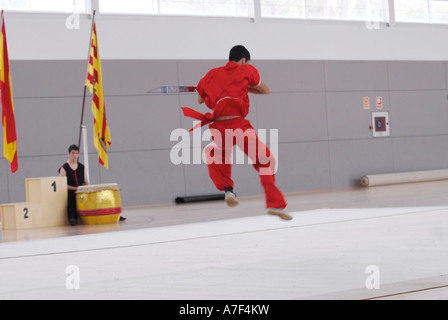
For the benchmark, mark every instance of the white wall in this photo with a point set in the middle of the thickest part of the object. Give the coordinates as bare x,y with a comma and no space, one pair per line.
46,37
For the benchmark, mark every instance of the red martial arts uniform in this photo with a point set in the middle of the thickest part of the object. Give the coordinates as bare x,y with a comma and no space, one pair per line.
225,91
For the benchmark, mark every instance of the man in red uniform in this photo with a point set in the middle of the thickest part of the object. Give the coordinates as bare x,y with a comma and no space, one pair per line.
225,91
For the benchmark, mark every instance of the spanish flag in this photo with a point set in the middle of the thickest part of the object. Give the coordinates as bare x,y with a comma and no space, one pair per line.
95,83
8,119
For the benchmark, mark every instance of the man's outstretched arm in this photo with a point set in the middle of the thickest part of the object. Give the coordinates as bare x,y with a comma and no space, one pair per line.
261,89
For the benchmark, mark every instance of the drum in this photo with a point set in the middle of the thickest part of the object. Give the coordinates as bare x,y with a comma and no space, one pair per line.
99,204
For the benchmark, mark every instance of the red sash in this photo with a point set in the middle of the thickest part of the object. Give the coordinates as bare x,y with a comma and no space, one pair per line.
204,118
225,107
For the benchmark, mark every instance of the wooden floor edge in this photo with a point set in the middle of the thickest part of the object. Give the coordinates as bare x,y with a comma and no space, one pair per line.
247,197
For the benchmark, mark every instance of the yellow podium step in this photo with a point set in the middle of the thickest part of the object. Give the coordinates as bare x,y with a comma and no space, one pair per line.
46,205
51,193
18,216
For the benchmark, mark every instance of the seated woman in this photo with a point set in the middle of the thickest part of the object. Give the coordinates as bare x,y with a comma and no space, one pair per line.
76,176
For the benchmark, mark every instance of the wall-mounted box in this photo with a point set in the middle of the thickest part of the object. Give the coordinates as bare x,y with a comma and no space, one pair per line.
380,124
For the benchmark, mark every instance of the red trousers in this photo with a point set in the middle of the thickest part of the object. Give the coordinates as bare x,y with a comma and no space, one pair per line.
240,132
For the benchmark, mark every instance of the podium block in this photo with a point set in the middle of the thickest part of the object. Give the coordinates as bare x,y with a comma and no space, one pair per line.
46,205
51,194
20,216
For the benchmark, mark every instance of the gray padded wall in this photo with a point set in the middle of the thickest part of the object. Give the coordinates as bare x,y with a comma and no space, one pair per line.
324,136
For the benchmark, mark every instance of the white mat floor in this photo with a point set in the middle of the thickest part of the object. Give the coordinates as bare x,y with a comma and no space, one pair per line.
321,254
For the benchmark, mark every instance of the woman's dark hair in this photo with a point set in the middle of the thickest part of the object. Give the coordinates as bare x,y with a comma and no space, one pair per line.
239,52
73,147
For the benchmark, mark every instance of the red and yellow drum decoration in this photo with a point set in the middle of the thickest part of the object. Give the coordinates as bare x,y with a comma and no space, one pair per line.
99,204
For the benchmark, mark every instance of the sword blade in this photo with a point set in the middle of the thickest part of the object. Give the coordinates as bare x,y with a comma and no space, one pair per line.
173,89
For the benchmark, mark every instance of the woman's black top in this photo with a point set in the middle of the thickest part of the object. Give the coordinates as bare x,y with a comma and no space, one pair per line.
75,178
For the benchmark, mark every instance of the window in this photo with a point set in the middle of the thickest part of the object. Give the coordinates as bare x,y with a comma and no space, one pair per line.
438,11
421,11
411,11
357,10
225,8
81,6
283,9
406,11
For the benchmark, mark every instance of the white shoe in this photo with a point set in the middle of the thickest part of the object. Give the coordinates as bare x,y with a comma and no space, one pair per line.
279,213
231,199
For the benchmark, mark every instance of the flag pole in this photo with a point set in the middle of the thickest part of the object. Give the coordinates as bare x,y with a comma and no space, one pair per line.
86,154
85,87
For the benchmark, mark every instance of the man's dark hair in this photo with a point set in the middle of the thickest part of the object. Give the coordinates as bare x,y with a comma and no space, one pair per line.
239,52
73,147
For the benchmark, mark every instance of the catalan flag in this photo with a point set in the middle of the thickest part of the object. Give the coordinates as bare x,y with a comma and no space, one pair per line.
95,83
8,118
